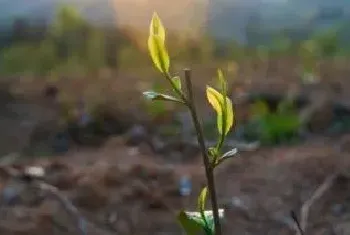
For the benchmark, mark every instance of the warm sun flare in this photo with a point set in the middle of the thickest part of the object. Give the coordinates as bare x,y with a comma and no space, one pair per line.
184,15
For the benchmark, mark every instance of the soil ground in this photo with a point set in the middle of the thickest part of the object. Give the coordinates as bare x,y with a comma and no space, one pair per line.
131,190
138,190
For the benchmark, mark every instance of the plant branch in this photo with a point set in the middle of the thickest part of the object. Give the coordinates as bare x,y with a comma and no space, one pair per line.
200,137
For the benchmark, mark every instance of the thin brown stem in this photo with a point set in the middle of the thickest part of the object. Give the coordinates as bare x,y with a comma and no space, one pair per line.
209,170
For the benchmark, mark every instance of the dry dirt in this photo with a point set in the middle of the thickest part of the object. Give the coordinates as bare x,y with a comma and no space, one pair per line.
120,189
123,190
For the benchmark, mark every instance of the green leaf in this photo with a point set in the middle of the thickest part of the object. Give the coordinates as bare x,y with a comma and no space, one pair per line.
226,156
177,82
208,223
213,155
201,202
202,199
156,27
159,54
156,45
224,107
212,152
191,225
219,104
222,82
151,95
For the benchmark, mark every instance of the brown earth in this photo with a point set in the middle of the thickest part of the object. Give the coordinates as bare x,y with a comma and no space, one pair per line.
121,191
131,190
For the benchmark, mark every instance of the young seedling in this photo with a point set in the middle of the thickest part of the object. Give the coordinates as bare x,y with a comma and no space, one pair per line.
207,221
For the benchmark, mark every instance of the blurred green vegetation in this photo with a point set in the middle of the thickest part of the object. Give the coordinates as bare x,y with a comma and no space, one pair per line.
274,127
71,47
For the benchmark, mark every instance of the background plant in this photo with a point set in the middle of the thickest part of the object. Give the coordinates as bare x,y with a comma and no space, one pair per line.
274,127
207,221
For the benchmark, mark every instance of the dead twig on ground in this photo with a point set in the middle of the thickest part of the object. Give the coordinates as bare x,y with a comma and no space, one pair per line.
67,205
305,209
297,223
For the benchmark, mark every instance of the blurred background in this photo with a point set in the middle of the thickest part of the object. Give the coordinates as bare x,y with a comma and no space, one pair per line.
72,75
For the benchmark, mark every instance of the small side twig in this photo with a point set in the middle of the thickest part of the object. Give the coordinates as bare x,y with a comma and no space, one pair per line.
319,192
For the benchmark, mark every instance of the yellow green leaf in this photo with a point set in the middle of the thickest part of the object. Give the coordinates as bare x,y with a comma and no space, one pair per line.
202,199
221,78
201,203
177,82
159,54
156,44
156,27
217,101
214,98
